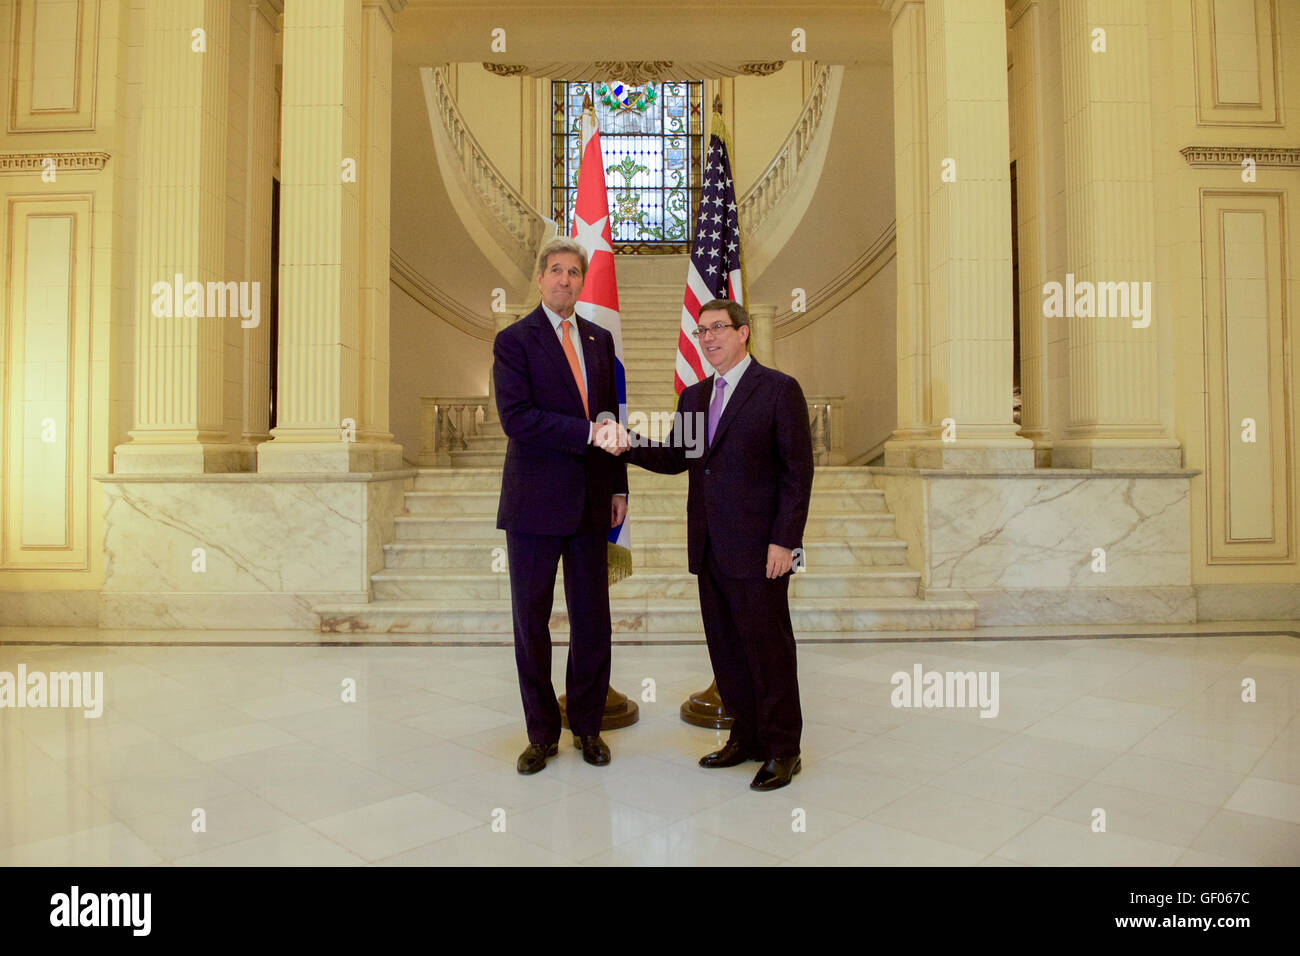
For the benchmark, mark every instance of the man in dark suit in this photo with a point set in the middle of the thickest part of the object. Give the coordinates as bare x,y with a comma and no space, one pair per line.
554,372
746,511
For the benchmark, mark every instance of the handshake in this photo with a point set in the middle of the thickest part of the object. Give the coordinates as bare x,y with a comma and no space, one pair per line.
611,436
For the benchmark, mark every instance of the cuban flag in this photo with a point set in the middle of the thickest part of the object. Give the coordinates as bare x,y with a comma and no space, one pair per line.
599,300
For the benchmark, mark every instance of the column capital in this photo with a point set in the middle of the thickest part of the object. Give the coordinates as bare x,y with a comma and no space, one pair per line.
895,7
389,8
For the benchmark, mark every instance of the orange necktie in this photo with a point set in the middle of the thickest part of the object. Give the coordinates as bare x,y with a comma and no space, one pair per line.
572,356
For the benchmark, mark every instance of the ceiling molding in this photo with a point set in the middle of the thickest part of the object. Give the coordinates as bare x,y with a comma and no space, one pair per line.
634,71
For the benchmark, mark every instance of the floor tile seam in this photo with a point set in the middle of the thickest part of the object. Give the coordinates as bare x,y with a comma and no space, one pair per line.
887,638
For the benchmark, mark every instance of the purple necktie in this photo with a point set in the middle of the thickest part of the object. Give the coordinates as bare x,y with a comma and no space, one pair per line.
715,408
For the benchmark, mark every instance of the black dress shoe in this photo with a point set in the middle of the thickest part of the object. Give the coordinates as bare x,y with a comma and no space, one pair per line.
731,755
594,750
534,758
776,773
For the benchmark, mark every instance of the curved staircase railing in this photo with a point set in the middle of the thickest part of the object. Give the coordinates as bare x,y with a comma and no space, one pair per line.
508,218
766,192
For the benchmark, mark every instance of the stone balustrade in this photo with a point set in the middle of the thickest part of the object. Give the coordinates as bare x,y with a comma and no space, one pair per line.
447,425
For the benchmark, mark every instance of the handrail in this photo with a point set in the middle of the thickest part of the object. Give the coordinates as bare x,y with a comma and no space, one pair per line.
444,429
515,225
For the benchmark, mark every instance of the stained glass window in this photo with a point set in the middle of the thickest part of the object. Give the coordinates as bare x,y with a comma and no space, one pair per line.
651,138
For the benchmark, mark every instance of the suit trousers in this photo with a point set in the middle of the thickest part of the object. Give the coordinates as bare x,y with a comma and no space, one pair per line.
751,645
533,560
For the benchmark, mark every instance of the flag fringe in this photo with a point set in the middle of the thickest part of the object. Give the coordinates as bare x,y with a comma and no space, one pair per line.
620,562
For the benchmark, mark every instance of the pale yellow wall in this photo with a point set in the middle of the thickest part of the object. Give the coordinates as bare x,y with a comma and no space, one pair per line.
765,107
493,107
1242,356
850,352
429,357
52,516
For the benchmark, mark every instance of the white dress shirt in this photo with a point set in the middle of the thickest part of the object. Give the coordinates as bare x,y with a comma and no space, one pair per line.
576,339
732,378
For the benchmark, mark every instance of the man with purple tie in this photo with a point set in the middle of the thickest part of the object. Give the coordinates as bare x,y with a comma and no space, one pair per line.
746,511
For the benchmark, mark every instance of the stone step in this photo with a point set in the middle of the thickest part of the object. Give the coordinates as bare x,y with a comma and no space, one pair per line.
650,332
637,354
478,460
489,479
649,528
649,358
451,586
480,554
656,352
480,443
647,502
489,622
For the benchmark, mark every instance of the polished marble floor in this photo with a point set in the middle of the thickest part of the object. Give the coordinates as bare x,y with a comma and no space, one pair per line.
1140,729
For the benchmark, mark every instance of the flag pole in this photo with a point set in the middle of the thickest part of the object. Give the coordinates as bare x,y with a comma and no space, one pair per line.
704,707
724,134
620,710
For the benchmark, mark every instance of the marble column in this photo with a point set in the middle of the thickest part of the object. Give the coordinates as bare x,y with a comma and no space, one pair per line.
327,120
962,166
179,350
503,321
762,333
911,213
1036,144
375,182
1115,418
259,170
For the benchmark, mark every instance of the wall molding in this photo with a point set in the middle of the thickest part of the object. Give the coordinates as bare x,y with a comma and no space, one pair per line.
1231,156
634,71
858,273
64,161
499,220
411,281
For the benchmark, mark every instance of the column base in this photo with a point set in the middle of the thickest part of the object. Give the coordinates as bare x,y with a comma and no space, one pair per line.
298,457
1134,454
963,454
182,458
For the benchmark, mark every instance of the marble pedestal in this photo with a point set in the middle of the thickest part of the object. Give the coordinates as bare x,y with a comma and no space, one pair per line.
271,546
1023,544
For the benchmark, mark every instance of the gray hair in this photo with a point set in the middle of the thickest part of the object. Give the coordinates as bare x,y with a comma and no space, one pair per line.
561,244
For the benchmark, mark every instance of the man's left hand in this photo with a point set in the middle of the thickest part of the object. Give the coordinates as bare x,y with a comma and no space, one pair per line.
779,560
618,506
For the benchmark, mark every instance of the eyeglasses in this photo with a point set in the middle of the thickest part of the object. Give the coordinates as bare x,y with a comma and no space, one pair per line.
716,328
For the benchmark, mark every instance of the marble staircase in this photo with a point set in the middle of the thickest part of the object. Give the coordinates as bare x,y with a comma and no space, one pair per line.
446,572
651,315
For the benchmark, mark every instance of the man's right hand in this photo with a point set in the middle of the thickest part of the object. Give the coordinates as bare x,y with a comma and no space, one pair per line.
611,436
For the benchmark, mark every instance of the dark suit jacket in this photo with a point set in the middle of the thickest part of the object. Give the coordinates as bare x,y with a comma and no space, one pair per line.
752,485
552,477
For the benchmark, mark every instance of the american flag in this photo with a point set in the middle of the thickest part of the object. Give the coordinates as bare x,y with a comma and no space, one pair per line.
714,272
